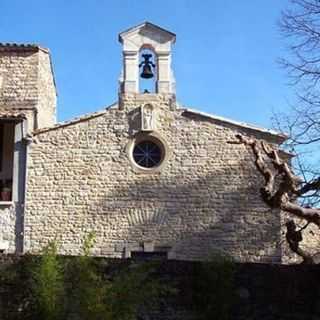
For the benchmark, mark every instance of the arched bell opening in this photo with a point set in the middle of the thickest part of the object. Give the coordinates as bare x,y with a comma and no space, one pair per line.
147,70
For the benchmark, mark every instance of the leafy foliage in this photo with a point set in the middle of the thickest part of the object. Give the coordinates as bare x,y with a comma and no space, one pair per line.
14,274
135,287
48,284
119,297
213,288
56,287
89,289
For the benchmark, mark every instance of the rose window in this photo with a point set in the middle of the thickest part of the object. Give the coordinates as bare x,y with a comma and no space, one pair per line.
147,154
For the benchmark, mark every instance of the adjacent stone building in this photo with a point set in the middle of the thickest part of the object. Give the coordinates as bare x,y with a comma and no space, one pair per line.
146,174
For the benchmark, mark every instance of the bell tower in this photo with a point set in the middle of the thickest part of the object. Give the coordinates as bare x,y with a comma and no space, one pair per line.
146,51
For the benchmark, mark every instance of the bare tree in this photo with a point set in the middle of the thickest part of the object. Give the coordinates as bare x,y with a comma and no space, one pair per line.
301,26
297,194
281,190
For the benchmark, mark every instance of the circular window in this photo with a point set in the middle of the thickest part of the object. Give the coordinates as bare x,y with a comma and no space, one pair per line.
147,154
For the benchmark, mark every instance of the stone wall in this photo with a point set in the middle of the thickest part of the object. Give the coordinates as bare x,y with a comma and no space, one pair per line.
204,198
8,220
47,97
265,292
310,242
19,76
26,86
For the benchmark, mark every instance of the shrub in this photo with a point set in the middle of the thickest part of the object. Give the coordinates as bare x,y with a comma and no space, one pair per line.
213,288
137,287
89,289
48,284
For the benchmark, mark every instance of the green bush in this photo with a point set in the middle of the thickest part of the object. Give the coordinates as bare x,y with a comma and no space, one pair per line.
89,289
136,287
82,287
116,298
213,288
48,284
16,302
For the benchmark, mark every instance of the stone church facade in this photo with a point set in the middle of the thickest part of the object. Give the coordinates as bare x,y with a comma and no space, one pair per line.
146,174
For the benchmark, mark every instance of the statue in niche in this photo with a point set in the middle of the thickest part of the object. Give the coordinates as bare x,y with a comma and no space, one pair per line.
147,118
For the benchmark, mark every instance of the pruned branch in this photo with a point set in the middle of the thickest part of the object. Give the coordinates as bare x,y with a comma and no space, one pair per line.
313,185
281,188
283,194
294,237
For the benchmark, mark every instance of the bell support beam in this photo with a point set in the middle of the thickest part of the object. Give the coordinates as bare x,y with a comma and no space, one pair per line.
131,72
164,72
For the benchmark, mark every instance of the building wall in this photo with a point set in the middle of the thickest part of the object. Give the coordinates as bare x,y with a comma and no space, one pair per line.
8,234
27,84
309,244
205,198
19,76
47,97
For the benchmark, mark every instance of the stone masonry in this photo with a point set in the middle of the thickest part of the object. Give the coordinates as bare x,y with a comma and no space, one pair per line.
77,177
205,198
27,84
27,101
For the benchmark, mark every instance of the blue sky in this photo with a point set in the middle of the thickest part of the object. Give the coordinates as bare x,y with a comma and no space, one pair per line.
224,58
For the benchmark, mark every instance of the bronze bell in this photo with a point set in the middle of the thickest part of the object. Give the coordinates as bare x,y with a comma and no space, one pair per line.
147,67
146,72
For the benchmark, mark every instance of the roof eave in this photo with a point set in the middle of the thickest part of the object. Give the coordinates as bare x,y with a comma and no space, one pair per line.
76,120
280,137
9,116
23,47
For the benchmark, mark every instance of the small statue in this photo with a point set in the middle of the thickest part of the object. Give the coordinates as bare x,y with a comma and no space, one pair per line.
147,121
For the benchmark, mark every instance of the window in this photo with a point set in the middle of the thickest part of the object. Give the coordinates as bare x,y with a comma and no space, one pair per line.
147,154
6,160
155,255
1,145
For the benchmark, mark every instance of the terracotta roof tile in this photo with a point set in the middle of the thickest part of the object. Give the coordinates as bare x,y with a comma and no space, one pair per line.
21,47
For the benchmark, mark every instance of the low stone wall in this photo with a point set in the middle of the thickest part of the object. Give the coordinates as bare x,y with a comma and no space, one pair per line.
277,292
262,291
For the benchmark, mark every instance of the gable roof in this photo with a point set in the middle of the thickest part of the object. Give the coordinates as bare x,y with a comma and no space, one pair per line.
280,137
82,118
146,24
